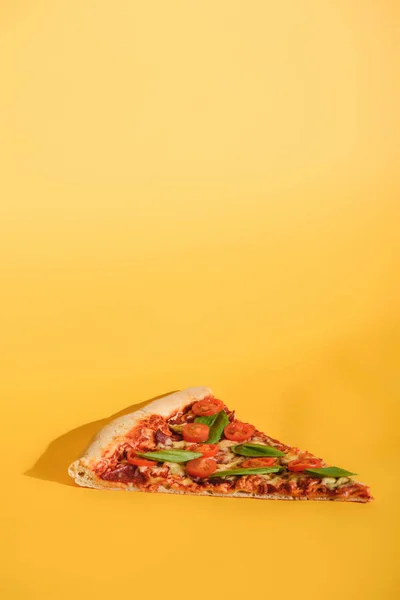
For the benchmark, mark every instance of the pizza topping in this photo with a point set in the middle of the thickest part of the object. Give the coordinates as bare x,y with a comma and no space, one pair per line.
143,437
333,483
141,462
238,431
246,471
256,450
226,444
216,423
163,438
356,490
218,427
210,420
285,460
176,456
177,428
133,459
207,407
301,464
201,467
175,468
327,471
195,432
179,445
206,450
124,474
258,462
339,482
229,462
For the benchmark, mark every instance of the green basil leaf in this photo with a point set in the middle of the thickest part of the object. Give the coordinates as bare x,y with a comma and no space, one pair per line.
329,472
218,427
207,420
255,450
178,456
256,471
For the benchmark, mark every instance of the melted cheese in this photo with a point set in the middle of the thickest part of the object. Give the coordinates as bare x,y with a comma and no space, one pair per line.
179,445
175,468
226,443
333,483
273,480
342,481
286,459
230,465
187,481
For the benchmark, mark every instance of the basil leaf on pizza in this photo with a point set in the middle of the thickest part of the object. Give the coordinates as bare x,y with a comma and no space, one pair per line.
256,471
217,428
207,420
178,456
256,450
216,423
330,472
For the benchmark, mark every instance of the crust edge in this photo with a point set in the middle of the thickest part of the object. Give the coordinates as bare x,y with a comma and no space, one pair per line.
164,406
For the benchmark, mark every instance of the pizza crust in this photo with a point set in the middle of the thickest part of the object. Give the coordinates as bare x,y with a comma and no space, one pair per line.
112,486
258,496
80,469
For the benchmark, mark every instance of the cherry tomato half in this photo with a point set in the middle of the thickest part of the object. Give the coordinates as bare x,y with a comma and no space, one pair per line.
238,431
138,461
195,432
206,450
300,464
201,467
207,407
254,463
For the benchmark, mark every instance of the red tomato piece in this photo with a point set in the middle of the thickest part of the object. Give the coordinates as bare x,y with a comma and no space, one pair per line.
195,432
207,407
206,450
253,463
238,431
201,467
300,464
139,461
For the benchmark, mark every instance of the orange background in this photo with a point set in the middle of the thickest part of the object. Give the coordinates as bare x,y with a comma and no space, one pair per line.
199,193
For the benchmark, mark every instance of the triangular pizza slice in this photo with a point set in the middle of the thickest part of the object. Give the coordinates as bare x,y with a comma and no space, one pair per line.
190,443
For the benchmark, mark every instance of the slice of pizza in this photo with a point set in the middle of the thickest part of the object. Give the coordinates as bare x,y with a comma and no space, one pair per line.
190,443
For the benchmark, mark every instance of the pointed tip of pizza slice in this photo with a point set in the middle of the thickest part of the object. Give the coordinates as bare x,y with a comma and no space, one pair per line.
189,442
